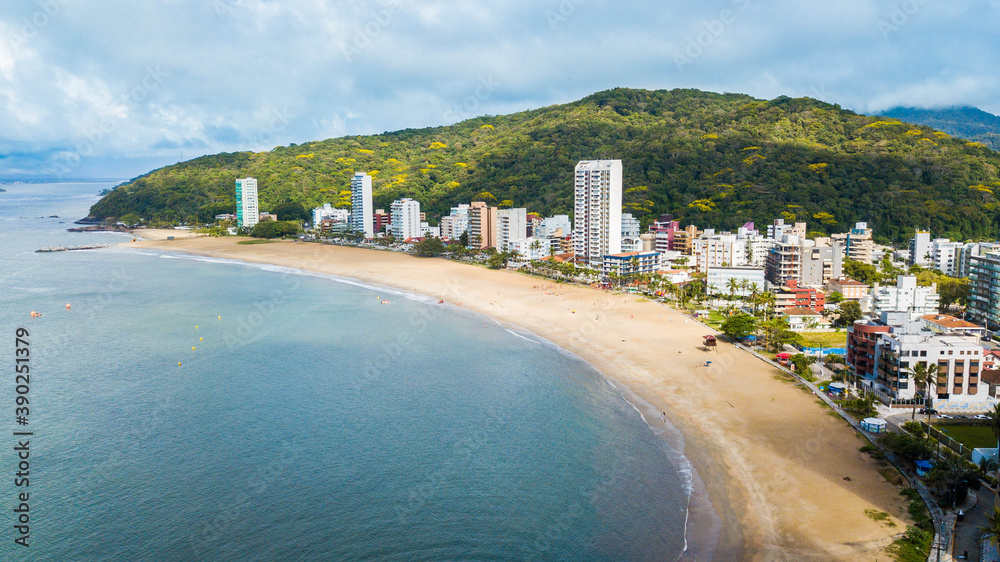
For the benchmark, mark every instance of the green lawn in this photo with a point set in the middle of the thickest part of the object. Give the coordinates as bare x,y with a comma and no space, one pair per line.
824,339
971,436
252,242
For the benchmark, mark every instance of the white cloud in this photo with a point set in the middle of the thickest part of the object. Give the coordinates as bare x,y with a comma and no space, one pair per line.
239,74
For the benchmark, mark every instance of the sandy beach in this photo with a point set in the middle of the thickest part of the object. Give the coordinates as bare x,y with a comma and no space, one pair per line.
782,473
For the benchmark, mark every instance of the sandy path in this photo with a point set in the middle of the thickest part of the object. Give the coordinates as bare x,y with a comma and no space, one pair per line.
782,473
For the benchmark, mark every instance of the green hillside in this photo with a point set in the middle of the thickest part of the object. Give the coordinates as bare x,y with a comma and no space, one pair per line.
715,160
967,122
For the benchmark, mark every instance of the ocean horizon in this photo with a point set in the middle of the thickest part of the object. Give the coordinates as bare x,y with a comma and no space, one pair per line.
197,408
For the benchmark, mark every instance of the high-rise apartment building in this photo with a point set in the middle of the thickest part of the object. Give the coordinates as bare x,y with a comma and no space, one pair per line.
482,225
597,208
512,226
247,211
361,204
405,222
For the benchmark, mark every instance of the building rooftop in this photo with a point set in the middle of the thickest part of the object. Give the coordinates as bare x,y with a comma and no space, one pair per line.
801,312
950,322
848,282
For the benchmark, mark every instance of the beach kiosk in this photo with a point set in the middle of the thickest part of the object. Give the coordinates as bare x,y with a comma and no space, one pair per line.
837,389
710,343
923,467
783,358
873,425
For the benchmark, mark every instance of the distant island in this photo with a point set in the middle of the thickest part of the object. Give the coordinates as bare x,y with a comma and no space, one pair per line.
705,158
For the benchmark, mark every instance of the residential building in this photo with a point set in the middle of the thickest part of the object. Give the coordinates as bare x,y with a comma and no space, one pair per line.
778,229
718,250
327,212
804,319
512,225
683,240
984,290
597,210
533,247
361,205
906,297
381,220
822,260
631,263
262,217
482,225
971,250
957,358
862,345
534,220
945,256
920,248
784,261
456,223
630,234
850,289
557,226
247,210
743,279
946,324
794,295
858,243
405,219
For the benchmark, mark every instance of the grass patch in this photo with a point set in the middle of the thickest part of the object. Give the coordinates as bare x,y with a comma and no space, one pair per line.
252,242
824,339
892,476
914,546
917,510
879,517
972,436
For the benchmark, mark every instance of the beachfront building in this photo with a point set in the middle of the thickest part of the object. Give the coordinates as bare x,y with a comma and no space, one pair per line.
597,210
456,222
361,204
862,344
804,319
482,225
739,281
906,297
512,225
380,220
631,263
533,247
247,210
974,250
631,241
327,212
957,358
405,219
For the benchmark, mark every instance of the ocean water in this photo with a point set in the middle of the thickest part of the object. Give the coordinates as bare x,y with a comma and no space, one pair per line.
193,409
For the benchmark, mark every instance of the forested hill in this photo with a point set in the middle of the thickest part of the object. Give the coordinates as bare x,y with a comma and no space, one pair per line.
967,122
715,160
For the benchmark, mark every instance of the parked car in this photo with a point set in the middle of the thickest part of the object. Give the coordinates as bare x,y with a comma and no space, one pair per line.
931,411
982,417
945,417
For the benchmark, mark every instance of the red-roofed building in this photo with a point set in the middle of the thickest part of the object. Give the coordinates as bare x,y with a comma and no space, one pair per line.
793,296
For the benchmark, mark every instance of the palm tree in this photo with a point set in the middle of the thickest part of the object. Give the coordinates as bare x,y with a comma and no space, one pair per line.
732,285
923,376
767,299
993,525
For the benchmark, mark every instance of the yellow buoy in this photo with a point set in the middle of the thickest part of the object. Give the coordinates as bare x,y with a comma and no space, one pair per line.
178,363
220,318
192,348
201,339
196,327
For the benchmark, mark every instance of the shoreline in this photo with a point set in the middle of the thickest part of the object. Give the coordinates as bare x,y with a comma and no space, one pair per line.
770,474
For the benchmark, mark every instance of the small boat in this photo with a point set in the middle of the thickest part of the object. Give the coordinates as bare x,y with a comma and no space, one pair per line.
440,301
385,302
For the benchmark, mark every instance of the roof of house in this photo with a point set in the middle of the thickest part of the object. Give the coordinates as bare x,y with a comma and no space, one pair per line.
947,321
848,282
990,376
800,311
560,258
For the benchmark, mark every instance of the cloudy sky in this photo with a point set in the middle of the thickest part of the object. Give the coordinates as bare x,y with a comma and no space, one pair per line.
113,88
